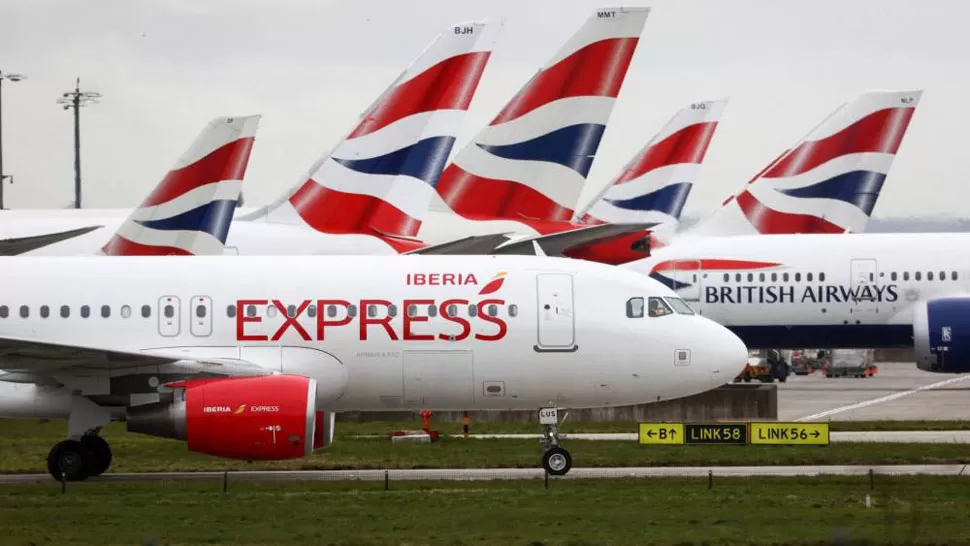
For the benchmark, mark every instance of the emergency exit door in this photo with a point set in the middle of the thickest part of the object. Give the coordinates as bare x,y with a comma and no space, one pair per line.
556,319
201,321
863,275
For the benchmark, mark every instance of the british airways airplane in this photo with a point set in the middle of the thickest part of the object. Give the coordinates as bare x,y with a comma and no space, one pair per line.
844,291
249,357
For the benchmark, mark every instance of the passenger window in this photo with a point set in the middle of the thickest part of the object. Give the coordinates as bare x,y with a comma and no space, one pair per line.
146,310
392,310
942,275
821,277
432,311
170,311
65,311
513,310
472,310
892,276
250,311
750,277
634,308
798,277
125,311
85,311
953,276
680,306
271,311
808,277
231,311
291,310
4,311
658,307
905,275
737,277
452,310
24,311
372,311
774,277
45,311
761,277
331,311
105,311
492,310
311,311
352,310
918,275
412,310
784,277
929,275
727,277
199,311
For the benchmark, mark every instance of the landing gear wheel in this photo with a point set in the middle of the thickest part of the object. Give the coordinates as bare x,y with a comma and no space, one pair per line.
557,461
99,454
68,459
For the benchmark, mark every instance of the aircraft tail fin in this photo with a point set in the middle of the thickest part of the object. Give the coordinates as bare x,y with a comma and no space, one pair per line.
830,181
533,158
190,211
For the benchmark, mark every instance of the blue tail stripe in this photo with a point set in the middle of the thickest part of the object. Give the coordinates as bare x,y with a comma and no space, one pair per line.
668,200
573,147
423,160
859,188
213,218
669,282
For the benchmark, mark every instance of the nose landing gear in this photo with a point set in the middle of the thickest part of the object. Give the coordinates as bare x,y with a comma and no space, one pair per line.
556,460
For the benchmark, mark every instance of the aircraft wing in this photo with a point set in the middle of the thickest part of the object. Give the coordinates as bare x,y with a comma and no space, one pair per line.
31,361
557,244
14,246
472,245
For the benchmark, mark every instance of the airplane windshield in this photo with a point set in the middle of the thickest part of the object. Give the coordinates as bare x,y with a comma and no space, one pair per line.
658,307
680,306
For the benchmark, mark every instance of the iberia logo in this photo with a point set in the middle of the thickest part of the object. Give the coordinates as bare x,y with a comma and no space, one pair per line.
240,409
494,284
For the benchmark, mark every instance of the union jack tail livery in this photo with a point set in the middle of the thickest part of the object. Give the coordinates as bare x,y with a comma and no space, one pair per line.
190,211
379,179
654,185
830,181
533,158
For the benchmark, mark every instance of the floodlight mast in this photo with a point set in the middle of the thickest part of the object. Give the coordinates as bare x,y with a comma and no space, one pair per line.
10,78
75,100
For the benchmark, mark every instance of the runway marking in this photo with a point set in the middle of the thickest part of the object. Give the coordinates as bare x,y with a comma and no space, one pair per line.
883,399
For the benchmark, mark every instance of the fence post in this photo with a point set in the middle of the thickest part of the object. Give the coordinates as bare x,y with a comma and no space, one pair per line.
872,479
710,479
386,481
464,423
63,483
225,481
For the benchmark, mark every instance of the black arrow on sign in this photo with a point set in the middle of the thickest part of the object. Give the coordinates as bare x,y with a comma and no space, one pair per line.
673,433
815,434
650,434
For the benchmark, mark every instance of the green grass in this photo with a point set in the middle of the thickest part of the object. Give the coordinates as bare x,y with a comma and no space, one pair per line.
25,445
655,511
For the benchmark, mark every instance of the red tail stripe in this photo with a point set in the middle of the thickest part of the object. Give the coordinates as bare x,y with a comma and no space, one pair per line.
597,70
331,211
471,195
227,162
711,263
687,145
772,222
879,132
119,246
448,85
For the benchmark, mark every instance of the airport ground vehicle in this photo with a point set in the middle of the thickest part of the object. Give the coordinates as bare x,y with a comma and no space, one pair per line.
807,361
765,365
852,363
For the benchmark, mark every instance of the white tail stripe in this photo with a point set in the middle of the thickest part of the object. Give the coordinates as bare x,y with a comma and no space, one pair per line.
547,118
195,242
627,23
400,134
409,194
655,180
606,211
835,211
226,190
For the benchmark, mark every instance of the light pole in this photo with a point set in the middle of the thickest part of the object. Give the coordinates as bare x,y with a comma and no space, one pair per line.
12,78
76,99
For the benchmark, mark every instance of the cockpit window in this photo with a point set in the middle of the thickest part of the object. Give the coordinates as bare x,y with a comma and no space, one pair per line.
657,307
680,306
634,307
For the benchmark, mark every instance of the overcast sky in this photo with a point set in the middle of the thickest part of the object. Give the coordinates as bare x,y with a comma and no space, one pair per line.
310,67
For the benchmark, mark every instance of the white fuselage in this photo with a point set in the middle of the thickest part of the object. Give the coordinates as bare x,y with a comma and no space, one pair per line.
815,290
555,332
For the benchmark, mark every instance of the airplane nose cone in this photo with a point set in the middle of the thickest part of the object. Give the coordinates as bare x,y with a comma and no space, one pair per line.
723,355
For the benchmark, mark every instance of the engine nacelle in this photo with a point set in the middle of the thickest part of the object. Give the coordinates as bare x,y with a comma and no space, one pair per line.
250,418
941,335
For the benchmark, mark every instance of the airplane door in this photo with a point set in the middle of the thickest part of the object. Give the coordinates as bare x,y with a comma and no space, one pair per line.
687,277
439,379
169,316
863,275
201,321
556,320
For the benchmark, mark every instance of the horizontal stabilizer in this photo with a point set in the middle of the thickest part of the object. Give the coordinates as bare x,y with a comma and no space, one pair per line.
473,245
558,244
15,246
